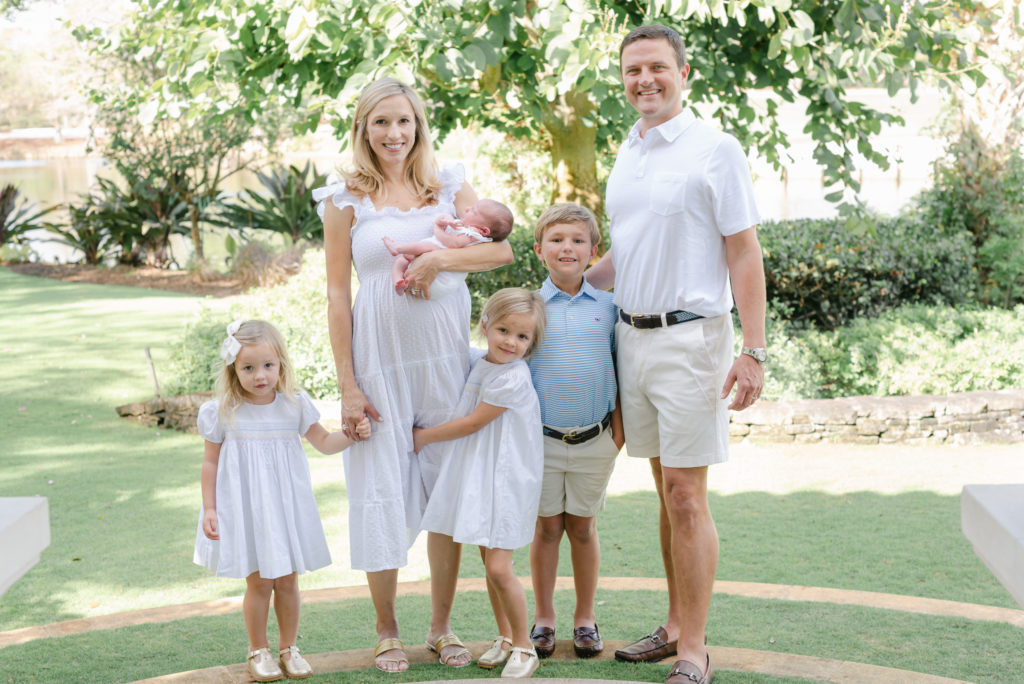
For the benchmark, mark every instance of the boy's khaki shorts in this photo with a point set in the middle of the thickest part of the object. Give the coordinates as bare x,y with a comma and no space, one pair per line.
576,475
670,380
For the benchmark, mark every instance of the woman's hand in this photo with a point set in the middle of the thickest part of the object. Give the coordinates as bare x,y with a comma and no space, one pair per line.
355,407
421,273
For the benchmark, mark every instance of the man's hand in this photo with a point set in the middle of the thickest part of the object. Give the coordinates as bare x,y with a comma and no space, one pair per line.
747,374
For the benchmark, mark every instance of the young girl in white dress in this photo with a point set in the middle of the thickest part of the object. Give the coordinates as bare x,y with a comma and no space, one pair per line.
259,519
488,485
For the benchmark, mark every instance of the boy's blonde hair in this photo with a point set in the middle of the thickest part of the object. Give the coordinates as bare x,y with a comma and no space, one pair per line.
517,300
420,167
228,389
568,212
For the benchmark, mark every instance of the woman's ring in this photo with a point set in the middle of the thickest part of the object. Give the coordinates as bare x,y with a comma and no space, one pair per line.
415,292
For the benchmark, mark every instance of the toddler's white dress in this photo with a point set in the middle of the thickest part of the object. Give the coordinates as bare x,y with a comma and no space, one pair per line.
266,513
410,358
488,490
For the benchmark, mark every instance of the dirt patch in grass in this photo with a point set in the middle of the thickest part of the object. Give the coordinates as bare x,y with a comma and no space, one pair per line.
212,284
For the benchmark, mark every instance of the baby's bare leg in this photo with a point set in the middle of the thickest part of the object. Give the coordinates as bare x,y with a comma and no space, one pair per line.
398,273
411,249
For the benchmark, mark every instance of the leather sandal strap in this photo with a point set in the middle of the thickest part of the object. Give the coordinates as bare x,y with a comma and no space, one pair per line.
293,649
525,651
388,644
257,651
446,641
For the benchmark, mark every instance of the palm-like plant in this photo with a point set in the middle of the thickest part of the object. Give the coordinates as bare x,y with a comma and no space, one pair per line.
284,206
17,218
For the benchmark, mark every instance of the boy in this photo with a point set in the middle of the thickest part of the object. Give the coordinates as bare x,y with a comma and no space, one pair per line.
574,373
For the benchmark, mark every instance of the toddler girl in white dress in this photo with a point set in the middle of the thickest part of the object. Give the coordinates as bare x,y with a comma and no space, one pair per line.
488,485
259,519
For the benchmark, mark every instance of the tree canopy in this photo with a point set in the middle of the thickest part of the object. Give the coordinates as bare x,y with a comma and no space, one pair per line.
547,70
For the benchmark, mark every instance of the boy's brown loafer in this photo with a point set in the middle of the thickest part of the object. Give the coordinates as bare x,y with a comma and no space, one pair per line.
586,641
543,639
653,647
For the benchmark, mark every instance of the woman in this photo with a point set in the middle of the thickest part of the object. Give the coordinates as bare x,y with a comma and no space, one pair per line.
401,359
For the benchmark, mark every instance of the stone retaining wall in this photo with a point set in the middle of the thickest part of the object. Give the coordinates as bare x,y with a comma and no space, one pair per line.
967,418
959,419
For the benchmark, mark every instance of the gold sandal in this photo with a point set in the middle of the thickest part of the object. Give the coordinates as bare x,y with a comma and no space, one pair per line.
390,644
445,641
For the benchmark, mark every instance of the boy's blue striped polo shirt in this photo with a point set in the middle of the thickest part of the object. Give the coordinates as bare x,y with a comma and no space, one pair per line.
572,369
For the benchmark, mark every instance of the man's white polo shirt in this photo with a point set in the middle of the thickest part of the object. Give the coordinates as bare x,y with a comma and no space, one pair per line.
672,197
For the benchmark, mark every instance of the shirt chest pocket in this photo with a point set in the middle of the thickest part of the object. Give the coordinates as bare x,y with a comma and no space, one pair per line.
667,193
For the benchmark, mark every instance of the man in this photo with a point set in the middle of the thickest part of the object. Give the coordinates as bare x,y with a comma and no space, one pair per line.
683,225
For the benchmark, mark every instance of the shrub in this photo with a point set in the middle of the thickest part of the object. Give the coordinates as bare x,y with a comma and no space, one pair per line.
912,350
977,191
298,308
820,272
284,206
17,218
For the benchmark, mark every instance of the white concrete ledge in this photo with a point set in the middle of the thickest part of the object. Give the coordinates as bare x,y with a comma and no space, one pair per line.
992,518
24,533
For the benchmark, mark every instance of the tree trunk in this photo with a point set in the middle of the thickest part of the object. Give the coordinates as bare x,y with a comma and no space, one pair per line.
574,153
197,238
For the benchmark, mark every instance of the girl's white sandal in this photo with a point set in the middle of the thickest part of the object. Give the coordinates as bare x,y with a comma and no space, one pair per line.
262,666
522,663
495,655
295,666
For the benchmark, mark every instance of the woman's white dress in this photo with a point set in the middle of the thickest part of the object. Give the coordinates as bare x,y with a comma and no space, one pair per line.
411,358
266,513
488,490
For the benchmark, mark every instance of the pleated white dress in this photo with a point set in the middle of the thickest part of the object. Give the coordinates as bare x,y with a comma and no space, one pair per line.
488,490
411,358
266,513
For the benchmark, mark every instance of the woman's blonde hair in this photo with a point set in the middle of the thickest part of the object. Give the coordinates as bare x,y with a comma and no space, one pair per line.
228,388
367,179
517,300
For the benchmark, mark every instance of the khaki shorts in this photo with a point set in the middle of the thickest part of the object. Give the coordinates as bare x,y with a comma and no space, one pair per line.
670,380
576,475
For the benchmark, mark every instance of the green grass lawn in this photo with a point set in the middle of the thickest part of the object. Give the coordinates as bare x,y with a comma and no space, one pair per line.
124,502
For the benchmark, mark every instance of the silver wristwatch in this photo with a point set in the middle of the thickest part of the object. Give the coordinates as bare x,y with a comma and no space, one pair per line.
759,353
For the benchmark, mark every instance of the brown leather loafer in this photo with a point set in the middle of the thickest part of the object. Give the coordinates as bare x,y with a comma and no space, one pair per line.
543,639
586,641
653,647
685,672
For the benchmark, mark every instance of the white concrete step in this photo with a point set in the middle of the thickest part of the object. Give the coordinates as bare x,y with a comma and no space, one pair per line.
24,533
992,518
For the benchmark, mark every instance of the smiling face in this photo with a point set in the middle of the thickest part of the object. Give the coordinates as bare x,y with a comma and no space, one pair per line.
509,337
566,249
391,130
654,81
258,368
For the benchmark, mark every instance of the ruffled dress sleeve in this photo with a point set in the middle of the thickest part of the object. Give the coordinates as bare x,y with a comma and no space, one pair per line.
452,178
208,423
508,387
339,195
310,415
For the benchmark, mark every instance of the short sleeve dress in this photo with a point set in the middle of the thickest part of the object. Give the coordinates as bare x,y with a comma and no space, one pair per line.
411,358
488,490
266,513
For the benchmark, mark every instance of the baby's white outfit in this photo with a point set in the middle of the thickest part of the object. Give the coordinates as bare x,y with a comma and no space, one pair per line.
488,489
266,513
447,282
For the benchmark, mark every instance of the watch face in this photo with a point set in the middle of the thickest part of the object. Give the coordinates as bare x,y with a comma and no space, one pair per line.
760,354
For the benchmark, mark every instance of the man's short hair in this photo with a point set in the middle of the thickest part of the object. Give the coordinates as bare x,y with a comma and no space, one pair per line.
656,32
568,212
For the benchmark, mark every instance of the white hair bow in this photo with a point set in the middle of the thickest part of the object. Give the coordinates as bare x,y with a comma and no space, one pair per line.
231,346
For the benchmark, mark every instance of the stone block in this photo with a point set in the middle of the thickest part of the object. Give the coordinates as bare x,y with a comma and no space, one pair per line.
983,425
1006,400
768,433
968,402
829,411
867,426
766,413
798,429
738,429
854,439
929,423
809,438
992,519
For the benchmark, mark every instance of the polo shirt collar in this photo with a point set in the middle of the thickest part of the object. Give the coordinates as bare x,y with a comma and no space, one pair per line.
549,290
669,131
